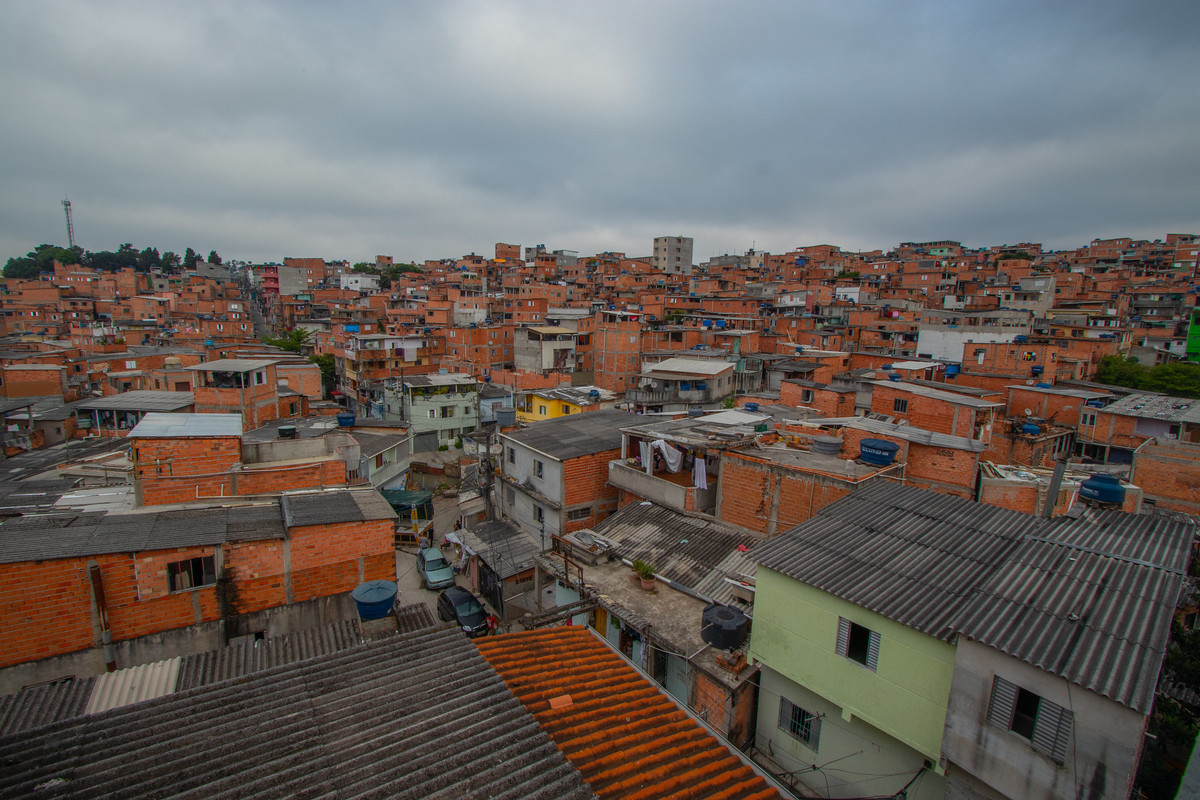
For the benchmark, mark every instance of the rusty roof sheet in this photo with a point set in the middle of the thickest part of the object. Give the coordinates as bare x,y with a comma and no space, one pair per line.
627,738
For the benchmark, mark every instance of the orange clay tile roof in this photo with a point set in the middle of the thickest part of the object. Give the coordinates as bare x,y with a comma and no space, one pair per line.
625,736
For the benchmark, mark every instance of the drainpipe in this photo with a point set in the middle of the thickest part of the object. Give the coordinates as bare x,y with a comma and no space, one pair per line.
110,660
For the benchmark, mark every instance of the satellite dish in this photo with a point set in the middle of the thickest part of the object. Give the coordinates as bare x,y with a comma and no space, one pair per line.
1029,412
1029,383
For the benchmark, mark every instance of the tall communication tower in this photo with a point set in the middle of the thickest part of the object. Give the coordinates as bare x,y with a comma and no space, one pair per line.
70,225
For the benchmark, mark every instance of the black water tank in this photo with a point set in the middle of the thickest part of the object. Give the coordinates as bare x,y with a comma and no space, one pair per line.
724,627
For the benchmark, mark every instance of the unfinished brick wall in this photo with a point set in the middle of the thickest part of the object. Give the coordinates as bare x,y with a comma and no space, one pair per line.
771,498
1169,474
46,607
585,483
176,470
942,469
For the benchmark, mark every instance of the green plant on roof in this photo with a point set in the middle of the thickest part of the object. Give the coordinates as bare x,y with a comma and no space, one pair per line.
644,569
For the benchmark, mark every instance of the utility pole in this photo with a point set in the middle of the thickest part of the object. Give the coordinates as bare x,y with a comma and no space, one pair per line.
70,225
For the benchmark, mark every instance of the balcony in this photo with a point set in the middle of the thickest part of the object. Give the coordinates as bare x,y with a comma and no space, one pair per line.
671,490
651,396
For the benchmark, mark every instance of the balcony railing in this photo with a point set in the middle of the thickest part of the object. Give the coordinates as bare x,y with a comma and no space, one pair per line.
663,492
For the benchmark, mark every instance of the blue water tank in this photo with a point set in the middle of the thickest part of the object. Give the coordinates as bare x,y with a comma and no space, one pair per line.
374,598
752,407
953,369
1103,488
1041,385
1038,370
894,376
1095,403
593,393
879,452
886,366
1020,337
1029,429
346,420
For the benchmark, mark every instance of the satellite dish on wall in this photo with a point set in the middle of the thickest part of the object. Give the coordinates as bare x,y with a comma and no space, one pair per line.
1029,383
1029,412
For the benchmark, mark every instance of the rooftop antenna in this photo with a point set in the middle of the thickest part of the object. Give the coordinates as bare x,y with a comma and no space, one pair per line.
70,225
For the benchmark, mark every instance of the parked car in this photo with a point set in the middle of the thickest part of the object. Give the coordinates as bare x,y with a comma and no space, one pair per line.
435,571
459,605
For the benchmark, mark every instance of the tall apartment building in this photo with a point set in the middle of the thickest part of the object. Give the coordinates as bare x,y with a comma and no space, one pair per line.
673,254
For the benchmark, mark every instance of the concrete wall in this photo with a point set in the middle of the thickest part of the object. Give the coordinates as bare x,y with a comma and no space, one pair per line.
853,749
795,634
181,641
1102,754
947,345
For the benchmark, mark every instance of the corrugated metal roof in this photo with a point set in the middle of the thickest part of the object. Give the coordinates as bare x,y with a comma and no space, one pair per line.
682,548
41,705
133,685
40,537
1156,406
911,555
689,366
627,738
575,435
403,717
163,425
248,657
140,400
1089,599
234,365
329,507
503,545
937,394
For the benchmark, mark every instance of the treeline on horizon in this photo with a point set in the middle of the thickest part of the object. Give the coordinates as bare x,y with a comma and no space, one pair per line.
41,259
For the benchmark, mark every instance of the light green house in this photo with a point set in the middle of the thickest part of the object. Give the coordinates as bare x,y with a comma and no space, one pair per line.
853,628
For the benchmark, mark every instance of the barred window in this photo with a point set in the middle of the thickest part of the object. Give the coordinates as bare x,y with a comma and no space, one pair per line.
799,723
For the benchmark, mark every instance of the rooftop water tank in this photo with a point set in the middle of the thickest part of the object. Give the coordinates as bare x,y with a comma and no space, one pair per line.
1029,429
695,412
1103,489
724,627
878,452
374,598
827,445
953,369
287,431
752,408
1095,403
593,393
1042,385
346,420
894,376
506,417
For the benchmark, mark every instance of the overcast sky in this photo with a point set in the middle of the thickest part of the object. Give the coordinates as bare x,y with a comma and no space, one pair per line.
435,129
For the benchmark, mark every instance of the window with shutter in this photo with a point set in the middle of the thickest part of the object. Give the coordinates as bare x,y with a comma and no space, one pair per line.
858,643
1046,725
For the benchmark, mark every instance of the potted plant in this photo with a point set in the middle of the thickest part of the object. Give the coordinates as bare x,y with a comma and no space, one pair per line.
645,573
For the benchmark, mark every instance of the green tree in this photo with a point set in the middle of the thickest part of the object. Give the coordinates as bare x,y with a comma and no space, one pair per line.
365,266
170,260
213,258
148,259
328,371
294,340
1121,371
190,258
21,268
1179,379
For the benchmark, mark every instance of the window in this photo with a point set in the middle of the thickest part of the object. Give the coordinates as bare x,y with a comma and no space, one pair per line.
509,495
800,724
806,396
512,456
900,405
539,515
542,410
579,514
1087,418
858,643
447,412
260,378
538,468
432,413
1046,725
566,409
378,460
192,573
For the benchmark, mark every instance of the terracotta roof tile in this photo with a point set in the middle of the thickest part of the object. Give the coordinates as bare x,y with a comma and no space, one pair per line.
627,738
